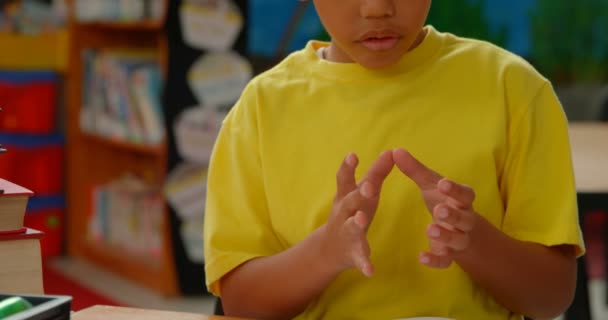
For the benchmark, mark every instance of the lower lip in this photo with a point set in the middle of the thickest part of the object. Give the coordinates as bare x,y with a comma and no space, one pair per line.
381,44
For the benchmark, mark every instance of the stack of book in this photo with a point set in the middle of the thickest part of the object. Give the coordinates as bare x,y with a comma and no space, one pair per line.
21,259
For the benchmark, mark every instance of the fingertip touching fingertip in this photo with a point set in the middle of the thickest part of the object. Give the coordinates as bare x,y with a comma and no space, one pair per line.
445,185
397,151
386,153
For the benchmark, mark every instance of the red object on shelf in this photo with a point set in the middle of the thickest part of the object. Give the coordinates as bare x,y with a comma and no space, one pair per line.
49,221
38,168
28,107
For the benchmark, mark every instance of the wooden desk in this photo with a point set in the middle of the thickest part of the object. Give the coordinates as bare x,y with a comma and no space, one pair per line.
121,313
589,144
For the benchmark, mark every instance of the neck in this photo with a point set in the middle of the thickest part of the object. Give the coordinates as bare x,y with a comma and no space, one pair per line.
419,39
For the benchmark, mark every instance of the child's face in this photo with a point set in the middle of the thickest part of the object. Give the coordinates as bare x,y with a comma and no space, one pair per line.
373,33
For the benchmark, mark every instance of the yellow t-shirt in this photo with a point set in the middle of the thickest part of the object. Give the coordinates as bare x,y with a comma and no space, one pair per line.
469,110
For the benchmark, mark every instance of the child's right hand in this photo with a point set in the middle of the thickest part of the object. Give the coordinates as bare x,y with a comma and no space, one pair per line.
344,244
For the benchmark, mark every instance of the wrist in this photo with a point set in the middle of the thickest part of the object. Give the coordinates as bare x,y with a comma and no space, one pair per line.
477,236
323,261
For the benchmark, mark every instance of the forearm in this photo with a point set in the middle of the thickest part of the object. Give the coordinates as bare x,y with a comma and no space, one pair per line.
527,278
279,286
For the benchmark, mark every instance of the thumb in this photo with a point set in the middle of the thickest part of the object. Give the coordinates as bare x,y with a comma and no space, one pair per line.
424,177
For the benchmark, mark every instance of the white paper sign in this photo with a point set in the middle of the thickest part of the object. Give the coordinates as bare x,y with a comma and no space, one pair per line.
186,191
210,24
191,233
196,130
217,79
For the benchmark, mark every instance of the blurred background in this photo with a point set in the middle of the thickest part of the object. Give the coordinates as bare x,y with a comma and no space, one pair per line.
111,108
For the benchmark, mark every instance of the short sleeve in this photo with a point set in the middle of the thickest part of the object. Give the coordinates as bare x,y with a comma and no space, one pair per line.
538,180
237,227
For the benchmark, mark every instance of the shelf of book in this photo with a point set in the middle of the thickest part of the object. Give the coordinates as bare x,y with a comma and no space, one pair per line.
93,160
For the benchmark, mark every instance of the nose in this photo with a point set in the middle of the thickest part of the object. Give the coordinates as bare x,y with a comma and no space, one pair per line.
371,9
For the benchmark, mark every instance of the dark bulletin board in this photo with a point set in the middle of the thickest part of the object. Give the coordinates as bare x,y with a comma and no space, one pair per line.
177,97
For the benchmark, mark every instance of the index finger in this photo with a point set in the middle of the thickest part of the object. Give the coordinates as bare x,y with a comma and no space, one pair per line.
379,170
423,176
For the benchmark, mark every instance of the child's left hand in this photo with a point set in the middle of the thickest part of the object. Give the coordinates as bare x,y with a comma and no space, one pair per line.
451,205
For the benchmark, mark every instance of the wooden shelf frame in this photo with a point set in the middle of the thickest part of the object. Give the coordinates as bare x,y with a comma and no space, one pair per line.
138,26
151,150
93,160
134,267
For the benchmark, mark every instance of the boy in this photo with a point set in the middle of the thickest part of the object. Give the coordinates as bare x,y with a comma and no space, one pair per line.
485,189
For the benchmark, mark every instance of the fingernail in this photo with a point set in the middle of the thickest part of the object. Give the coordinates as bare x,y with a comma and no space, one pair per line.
368,271
445,185
424,259
434,232
443,213
349,159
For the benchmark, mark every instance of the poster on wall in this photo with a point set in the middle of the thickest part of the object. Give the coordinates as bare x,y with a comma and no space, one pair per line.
210,24
195,131
218,78
186,191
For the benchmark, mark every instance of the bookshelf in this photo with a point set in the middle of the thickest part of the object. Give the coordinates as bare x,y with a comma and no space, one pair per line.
94,160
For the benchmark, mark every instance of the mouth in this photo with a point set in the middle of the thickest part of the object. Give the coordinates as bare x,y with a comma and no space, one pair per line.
379,41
